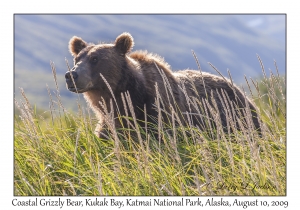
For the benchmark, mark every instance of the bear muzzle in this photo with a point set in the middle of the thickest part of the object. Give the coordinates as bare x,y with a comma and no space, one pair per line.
78,84
68,75
70,81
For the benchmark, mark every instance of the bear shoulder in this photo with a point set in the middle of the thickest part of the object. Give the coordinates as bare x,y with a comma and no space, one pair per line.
146,58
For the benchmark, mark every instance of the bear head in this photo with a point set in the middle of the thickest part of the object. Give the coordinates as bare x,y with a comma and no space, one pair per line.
92,60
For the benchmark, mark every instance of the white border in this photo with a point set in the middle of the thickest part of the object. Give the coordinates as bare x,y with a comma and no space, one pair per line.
154,6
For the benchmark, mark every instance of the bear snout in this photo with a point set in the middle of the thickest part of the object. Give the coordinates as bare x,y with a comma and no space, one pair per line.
70,82
69,77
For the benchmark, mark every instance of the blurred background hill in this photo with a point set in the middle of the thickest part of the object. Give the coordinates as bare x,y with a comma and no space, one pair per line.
227,41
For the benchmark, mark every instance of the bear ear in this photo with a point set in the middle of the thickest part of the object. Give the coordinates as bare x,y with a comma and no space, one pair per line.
124,43
76,44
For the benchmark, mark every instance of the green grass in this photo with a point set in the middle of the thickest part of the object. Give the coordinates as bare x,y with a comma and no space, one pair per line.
56,153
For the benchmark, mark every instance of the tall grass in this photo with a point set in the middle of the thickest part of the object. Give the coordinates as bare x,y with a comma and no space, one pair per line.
57,153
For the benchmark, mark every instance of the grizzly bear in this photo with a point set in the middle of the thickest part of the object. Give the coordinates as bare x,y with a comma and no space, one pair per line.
105,73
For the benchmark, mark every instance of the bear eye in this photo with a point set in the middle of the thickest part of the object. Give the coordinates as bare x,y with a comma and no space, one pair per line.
94,59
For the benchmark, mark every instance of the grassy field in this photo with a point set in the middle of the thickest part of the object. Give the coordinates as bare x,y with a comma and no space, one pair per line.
56,152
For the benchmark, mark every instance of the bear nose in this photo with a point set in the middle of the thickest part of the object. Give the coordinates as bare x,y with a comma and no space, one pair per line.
68,75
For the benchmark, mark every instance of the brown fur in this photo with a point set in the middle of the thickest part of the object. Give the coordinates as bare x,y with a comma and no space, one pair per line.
138,74
76,45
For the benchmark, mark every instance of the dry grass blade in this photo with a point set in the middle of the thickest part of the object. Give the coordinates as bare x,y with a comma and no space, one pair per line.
262,67
131,109
276,68
54,75
75,150
187,98
51,106
56,85
249,86
26,111
69,70
166,83
112,93
229,74
218,71
100,188
159,115
29,108
126,112
199,68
